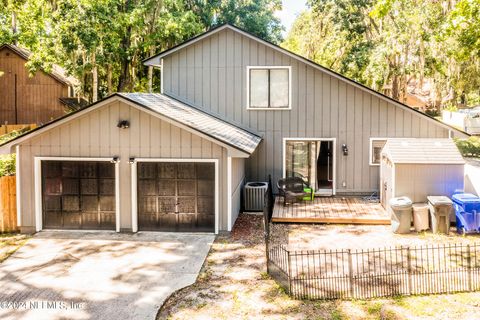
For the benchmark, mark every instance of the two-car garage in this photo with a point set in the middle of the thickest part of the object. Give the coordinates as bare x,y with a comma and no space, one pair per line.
131,162
170,196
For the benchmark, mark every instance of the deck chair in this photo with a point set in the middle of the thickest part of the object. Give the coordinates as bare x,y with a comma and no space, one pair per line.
293,189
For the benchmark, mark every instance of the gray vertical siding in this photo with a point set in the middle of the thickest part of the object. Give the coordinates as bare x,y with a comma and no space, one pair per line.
211,74
238,179
95,134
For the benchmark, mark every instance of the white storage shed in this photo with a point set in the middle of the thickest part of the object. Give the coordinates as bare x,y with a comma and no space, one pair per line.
417,168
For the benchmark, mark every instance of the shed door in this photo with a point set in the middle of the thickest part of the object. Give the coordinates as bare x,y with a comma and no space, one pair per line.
176,196
78,195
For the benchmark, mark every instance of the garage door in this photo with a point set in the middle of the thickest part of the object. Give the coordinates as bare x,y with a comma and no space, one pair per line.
78,195
176,196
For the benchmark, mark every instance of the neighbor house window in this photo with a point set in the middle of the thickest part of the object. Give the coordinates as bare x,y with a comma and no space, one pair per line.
268,87
376,146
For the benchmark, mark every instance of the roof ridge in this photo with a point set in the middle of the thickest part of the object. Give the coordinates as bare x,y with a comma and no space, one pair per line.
305,60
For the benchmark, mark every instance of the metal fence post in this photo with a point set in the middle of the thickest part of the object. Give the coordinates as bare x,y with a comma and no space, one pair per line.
469,261
350,273
290,273
409,270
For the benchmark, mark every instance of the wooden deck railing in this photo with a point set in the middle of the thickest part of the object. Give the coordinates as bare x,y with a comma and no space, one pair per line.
8,204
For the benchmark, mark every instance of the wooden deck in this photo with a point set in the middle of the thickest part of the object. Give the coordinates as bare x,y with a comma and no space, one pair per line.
346,210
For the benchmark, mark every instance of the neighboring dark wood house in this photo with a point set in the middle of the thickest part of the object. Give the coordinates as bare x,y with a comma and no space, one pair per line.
31,100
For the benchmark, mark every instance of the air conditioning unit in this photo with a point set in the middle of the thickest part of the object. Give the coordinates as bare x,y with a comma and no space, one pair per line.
253,195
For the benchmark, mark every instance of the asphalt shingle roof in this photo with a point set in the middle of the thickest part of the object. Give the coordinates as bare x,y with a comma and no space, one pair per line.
196,119
423,150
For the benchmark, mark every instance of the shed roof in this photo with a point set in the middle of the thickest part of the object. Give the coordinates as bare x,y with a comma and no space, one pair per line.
168,108
422,151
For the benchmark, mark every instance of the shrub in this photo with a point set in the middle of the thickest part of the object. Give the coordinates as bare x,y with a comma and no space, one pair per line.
7,165
469,147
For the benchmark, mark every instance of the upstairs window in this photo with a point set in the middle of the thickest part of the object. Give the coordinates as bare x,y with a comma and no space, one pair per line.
376,146
269,87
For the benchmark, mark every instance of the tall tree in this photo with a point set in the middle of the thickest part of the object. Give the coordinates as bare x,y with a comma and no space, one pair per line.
103,42
390,45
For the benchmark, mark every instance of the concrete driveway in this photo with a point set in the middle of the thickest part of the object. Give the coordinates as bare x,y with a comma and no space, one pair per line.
95,275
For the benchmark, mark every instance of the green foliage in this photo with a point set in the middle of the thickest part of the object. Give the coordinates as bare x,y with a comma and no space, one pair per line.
9,136
7,165
451,107
389,45
103,42
469,147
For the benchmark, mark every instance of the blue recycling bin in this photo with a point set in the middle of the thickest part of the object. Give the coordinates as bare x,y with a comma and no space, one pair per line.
467,212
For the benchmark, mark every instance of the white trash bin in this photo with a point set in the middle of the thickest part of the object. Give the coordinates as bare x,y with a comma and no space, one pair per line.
402,214
420,216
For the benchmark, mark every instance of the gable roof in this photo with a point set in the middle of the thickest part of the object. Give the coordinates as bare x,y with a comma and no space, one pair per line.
422,151
163,106
196,119
57,72
156,61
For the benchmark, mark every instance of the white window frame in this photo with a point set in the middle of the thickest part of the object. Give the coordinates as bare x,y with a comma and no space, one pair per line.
334,158
370,151
38,189
195,160
289,87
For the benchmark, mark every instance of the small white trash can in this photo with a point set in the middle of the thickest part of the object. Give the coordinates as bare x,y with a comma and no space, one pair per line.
402,214
420,216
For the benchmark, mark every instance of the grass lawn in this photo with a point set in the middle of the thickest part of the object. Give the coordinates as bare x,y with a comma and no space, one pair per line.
9,243
233,284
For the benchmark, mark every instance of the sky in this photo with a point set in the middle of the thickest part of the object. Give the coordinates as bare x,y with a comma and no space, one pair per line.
290,10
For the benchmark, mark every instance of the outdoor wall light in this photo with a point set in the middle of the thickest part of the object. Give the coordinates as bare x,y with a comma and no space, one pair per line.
345,149
123,124
131,160
115,159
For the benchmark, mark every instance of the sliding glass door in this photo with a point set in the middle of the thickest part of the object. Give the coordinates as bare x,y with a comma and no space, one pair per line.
310,160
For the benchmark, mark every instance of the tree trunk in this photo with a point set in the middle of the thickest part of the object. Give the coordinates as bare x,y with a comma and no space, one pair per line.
124,78
109,79
94,78
422,65
14,26
150,71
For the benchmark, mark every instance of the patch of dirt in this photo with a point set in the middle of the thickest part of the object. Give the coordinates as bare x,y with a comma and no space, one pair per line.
312,237
233,284
9,243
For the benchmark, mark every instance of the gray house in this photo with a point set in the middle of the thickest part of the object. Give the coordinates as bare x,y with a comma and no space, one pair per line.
232,108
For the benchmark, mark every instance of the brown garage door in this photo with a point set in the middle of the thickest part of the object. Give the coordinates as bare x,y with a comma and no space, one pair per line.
176,196
78,195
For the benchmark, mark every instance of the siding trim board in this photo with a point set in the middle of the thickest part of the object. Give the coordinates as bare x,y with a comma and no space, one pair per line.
229,192
17,185
155,61
39,194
